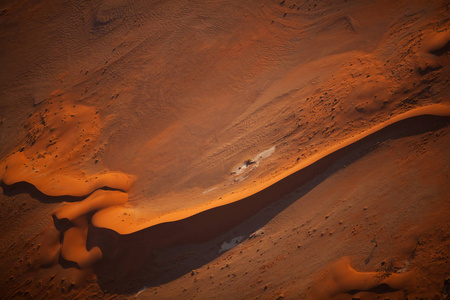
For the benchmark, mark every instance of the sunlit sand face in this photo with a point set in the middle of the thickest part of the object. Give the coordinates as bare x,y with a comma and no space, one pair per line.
151,127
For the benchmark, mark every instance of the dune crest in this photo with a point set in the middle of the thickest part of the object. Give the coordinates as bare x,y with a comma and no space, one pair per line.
60,140
98,200
143,143
57,184
112,218
107,206
74,245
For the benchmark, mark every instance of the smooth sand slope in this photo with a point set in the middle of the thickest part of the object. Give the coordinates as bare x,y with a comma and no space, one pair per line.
141,140
105,208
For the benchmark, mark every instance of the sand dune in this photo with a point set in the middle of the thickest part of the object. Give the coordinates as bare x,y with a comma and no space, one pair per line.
59,184
111,218
343,278
195,224
224,149
221,219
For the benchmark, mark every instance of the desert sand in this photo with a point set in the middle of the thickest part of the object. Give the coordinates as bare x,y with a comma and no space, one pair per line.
225,149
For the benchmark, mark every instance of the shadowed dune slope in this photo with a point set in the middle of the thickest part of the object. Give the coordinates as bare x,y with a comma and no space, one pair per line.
148,244
106,204
142,141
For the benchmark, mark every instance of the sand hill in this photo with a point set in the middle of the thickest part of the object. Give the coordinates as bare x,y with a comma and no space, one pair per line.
225,149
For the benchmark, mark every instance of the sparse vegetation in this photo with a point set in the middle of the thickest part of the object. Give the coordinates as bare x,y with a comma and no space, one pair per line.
386,269
249,162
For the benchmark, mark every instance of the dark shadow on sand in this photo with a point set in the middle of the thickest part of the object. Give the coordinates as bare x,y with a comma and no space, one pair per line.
164,252
27,188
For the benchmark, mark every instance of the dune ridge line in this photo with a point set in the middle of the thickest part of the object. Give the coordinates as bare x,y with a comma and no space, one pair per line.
105,209
103,218
107,205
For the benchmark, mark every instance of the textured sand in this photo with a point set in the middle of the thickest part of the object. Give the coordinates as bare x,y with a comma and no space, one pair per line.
139,139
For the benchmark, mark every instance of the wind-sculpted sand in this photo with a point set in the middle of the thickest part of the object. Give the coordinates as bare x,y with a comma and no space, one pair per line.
111,218
341,278
50,148
54,184
105,208
224,149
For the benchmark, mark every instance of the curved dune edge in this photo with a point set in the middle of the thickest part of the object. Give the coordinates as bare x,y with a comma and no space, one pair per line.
341,278
74,245
98,200
113,217
55,184
108,211
60,136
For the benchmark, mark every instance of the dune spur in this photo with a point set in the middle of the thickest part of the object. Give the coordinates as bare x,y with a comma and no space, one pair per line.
104,195
112,217
71,220
341,278
59,138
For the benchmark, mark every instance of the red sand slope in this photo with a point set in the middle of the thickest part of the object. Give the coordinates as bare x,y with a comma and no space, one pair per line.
138,137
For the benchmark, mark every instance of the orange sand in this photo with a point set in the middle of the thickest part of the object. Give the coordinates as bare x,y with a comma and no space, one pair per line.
254,149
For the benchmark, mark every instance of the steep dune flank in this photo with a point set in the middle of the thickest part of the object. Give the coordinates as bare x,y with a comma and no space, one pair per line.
370,220
194,224
174,122
113,218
